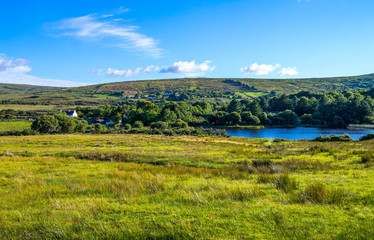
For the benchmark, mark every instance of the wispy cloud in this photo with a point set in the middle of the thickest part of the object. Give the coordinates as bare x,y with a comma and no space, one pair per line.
18,65
291,71
188,68
129,72
106,28
16,71
259,69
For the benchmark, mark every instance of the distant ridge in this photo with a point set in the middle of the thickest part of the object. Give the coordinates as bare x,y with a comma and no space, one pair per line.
200,88
6,88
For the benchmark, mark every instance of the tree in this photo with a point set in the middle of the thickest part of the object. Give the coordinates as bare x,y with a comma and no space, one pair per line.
65,123
255,108
218,118
234,106
98,128
138,124
234,118
45,124
290,118
249,119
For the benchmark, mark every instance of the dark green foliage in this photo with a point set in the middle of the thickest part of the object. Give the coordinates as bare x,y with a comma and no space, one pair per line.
59,123
233,118
369,136
138,124
45,124
127,127
160,125
334,138
249,119
234,106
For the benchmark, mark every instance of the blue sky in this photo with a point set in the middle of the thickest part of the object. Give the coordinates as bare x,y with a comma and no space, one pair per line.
72,43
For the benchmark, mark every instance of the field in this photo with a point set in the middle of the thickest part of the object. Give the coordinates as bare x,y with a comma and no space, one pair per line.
14,126
157,187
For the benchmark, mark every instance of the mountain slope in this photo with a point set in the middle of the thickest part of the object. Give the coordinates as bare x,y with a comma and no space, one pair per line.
199,88
22,88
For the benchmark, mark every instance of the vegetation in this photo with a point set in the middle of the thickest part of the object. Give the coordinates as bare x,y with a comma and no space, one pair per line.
12,127
215,90
23,89
181,187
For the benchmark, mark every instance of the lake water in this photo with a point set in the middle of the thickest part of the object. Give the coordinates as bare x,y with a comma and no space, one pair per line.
296,133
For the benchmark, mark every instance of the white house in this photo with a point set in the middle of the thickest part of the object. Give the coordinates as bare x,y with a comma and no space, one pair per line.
71,113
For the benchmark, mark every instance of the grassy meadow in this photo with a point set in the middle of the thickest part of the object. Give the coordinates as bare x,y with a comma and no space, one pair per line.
14,126
158,187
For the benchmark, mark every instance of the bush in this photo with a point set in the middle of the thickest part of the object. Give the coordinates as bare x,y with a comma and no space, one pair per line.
367,137
98,128
180,124
160,125
45,124
138,124
334,138
127,127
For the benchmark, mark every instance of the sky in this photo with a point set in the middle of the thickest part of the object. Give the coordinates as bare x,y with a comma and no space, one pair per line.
81,42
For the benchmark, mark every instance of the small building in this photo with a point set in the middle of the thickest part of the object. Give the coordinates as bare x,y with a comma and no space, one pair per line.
71,113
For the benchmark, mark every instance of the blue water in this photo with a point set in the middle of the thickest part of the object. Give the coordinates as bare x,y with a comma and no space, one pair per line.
296,133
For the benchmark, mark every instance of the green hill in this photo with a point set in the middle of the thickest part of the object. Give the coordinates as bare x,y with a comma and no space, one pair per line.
209,89
22,88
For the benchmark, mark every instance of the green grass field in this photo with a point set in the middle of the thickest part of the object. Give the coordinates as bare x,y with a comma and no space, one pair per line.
158,187
14,126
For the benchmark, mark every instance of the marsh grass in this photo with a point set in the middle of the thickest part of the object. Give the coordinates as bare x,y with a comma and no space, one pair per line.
157,187
319,193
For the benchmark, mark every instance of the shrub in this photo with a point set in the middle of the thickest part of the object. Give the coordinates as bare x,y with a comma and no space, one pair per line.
138,124
334,138
160,125
367,137
45,124
180,124
127,127
98,128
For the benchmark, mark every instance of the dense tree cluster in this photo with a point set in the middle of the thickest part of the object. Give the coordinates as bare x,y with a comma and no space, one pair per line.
334,109
59,123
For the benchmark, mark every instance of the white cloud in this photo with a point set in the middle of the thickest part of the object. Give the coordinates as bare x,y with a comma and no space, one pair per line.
129,72
259,69
189,68
15,71
95,27
291,71
13,65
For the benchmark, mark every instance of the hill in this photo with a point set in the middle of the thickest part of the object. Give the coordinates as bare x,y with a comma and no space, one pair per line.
209,89
22,88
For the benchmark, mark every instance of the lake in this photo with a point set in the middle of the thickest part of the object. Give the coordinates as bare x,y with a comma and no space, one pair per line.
296,133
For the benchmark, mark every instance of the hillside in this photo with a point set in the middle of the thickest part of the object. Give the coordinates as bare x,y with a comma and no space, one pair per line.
209,89
22,88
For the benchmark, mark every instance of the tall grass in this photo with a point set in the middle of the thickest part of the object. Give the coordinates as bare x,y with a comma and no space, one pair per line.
157,187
